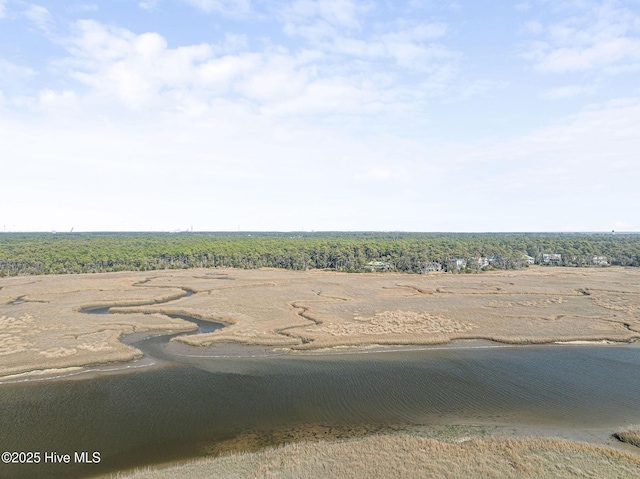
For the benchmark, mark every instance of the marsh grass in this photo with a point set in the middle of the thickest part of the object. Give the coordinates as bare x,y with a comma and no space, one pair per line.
43,327
384,456
630,435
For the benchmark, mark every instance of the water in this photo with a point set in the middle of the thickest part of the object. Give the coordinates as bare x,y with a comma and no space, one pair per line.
192,403
179,410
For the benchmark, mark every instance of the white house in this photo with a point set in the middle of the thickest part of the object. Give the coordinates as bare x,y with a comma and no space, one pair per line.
482,261
599,260
432,266
553,258
457,263
377,265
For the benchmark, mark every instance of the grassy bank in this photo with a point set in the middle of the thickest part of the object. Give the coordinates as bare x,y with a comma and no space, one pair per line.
630,435
408,456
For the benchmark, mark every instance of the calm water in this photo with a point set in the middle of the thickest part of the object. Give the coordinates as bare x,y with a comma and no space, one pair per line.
173,412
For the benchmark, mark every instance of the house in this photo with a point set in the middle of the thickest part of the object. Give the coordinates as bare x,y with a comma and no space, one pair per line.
481,262
457,263
432,266
553,258
599,261
377,265
494,258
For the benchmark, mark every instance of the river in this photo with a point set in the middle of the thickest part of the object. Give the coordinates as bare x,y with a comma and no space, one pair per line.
185,405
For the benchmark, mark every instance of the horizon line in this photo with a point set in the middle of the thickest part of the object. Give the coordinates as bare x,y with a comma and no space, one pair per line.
233,232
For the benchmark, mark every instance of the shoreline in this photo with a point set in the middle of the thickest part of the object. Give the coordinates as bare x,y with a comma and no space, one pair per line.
486,436
506,421
247,351
94,368
70,372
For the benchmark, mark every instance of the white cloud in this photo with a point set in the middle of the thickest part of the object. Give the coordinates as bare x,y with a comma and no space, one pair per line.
3,8
345,28
336,13
225,7
568,91
409,45
342,126
413,54
140,71
323,20
533,27
11,70
586,152
579,170
82,7
57,101
14,79
40,17
137,68
96,42
148,4
602,53
274,78
596,35
334,26
332,96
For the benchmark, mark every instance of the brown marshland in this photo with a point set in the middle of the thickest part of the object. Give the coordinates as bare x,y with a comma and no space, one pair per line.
45,331
409,456
44,328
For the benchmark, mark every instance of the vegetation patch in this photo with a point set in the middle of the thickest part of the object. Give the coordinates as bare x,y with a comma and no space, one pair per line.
52,326
44,253
404,455
630,435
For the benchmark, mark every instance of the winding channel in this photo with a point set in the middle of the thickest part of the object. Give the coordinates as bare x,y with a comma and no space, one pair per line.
203,326
190,406
154,345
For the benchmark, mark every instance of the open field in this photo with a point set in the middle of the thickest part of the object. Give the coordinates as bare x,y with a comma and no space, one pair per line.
409,456
43,327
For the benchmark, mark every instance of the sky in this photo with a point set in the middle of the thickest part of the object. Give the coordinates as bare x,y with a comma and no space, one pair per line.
320,115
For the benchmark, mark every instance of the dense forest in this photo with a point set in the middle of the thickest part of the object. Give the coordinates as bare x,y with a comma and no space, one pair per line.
48,253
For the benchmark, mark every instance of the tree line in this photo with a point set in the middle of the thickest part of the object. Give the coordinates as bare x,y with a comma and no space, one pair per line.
46,253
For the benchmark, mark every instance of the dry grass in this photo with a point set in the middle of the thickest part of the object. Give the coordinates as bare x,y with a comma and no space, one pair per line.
41,326
409,456
630,435
42,329
318,309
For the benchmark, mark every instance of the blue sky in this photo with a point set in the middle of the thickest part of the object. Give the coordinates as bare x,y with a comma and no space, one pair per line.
160,115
